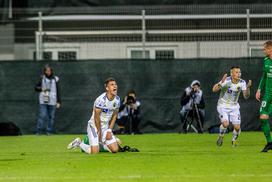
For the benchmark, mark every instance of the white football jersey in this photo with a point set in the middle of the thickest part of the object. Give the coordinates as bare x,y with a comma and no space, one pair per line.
230,92
107,109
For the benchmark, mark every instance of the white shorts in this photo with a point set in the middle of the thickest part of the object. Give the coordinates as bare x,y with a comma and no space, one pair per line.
93,137
231,114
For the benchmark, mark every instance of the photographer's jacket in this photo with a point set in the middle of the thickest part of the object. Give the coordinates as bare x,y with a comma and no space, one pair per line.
189,97
49,90
125,109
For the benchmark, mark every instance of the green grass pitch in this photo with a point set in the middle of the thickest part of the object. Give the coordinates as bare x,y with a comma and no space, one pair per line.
162,158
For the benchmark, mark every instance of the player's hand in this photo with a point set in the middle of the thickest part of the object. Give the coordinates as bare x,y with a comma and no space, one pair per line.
258,95
224,78
108,135
249,84
58,105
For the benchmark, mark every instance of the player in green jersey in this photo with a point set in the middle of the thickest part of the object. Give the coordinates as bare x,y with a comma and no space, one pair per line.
265,87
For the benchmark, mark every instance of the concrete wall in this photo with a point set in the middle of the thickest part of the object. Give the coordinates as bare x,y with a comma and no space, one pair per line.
121,50
6,42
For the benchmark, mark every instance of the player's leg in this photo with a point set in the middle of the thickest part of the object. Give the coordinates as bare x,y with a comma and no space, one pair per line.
74,144
235,118
93,146
264,118
102,147
235,134
111,144
224,117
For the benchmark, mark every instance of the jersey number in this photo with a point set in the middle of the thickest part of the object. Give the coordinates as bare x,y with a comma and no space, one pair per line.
229,91
263,103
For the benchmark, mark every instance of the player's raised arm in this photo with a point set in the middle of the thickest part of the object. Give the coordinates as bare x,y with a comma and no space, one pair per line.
218,86
246,93
97,112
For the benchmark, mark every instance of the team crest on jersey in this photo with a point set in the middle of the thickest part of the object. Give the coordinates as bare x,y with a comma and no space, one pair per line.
114,104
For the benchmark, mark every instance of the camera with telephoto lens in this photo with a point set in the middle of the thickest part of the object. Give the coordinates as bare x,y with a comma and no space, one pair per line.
193,93
130,100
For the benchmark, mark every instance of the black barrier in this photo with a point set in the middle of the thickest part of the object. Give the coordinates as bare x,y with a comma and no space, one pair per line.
159,85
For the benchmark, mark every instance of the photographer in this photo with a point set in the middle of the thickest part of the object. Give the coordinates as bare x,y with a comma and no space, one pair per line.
129,113
192,96
49,99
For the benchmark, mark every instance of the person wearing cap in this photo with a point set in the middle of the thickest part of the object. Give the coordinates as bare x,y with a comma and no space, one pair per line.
192,95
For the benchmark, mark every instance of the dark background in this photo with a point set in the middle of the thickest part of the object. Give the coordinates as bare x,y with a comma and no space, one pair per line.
159,85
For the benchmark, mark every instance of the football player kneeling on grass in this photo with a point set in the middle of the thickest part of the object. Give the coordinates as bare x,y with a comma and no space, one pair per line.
104,148
99,128
228,107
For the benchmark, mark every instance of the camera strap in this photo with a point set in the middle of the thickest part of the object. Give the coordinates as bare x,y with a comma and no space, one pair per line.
47,84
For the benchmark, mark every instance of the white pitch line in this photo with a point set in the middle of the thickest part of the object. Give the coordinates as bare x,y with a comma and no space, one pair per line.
129,177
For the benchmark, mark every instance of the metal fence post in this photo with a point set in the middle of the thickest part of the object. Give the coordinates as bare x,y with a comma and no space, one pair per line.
39,39
143,34
248,32
10,10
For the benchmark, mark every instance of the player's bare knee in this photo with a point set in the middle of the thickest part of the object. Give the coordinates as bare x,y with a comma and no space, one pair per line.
114,150
237,127
94,150
225,123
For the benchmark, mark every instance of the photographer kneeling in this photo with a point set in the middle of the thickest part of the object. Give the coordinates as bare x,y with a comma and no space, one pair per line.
129,113
191,99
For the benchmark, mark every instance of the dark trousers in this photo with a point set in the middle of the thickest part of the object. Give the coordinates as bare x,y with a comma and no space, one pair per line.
46,113
130,123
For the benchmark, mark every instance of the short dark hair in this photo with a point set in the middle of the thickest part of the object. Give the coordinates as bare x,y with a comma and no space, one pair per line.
110,79
131,92
47,66
235,67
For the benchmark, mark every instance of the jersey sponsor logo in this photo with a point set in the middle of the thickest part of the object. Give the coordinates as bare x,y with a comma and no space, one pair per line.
105,110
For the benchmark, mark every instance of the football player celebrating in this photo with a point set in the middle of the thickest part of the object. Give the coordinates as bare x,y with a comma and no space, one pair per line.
228,107
99,128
